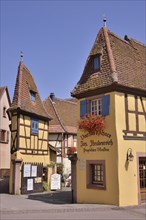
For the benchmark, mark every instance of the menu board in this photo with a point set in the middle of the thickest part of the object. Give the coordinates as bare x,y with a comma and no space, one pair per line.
55,181
27,168
34,171
29,184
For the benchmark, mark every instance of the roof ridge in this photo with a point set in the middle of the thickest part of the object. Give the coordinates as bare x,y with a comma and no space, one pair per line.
138,42
130,38
57,114
20,69
110,55
117,36
46,111
64,100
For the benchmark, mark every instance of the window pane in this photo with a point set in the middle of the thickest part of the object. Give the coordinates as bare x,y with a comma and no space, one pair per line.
96,107
34,128
33,95
97,174
96,63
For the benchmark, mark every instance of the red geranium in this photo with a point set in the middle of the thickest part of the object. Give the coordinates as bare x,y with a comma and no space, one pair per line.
72,150
92,123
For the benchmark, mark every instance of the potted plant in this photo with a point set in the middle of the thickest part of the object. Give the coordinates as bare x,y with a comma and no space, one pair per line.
92,123
72,150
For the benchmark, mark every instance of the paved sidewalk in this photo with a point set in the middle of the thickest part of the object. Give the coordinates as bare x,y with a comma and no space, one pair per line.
57,205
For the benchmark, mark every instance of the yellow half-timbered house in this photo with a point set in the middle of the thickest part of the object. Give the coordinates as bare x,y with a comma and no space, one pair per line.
111,93
29,131
62,129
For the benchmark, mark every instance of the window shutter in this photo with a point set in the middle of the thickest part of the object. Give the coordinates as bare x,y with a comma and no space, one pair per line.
105,105
34,127
83,108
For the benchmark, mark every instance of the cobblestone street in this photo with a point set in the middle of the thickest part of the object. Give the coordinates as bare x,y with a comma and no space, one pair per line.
57,205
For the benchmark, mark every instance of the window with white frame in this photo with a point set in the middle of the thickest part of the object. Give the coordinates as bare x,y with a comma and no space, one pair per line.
96,106
96,174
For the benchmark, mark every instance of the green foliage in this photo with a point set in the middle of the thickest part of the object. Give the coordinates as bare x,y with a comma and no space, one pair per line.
45,186
51,164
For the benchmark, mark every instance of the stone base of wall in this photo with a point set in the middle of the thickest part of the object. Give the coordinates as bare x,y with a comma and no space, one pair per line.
4,173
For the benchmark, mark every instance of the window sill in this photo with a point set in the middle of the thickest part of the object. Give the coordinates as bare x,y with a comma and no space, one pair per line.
32,133
4,142
94,186
126,137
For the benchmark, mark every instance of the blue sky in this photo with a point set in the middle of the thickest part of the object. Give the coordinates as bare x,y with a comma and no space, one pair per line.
57,36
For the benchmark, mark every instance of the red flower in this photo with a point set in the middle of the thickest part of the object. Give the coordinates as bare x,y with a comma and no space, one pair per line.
92,123
71,150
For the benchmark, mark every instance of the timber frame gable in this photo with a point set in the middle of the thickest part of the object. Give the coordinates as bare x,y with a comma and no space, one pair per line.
138,111
24,108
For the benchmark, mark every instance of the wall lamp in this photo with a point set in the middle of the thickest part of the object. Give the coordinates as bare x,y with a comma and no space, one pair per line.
130,156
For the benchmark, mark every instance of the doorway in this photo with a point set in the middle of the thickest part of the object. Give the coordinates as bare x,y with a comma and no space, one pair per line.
142,178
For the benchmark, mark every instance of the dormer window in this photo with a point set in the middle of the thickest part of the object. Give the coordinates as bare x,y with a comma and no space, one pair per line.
33,96
96,63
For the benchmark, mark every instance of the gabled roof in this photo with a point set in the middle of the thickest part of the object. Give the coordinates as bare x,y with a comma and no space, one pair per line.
123,64
22,98
2,90
64,114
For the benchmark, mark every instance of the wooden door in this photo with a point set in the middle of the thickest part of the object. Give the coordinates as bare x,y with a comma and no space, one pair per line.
142,178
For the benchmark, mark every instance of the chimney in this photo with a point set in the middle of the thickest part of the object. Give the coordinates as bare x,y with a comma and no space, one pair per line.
52,96
126,38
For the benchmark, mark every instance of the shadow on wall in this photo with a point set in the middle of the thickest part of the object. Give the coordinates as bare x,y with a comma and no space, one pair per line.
4,185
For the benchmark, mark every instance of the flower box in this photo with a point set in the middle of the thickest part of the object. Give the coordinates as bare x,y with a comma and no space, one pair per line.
92,123
71,150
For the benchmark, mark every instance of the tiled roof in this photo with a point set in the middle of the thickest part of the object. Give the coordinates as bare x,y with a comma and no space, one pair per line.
123,61
22,98
64,114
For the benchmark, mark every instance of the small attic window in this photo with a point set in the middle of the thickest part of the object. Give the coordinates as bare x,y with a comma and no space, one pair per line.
96,63
33,96
4,112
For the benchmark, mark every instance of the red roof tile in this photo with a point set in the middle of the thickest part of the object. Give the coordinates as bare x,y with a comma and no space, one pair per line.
64,114
122,62
22,98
